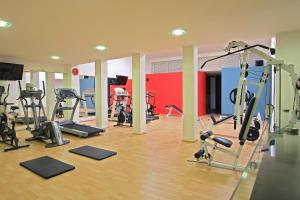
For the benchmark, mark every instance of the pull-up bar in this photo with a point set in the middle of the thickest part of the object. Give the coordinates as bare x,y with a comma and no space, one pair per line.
272,51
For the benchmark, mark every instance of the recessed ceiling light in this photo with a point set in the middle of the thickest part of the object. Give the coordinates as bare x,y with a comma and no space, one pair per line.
55,57
101,47
178,32
5,24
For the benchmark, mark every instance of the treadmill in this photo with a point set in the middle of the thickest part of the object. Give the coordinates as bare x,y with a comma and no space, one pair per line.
69,126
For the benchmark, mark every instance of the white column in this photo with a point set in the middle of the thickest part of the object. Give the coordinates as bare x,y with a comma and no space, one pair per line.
34,79
67,84
101,99
71,81
4,84
190,93
50,96
76,85
287,49
139,93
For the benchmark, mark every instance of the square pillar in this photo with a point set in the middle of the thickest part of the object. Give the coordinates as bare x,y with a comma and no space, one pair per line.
287,49
4,84
35,79
190,93
71,81
50,96
101,98
139,93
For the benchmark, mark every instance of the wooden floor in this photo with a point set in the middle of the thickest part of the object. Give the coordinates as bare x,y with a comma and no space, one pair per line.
150,166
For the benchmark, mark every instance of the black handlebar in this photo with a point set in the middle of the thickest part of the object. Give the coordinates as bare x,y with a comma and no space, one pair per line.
44,91
7,94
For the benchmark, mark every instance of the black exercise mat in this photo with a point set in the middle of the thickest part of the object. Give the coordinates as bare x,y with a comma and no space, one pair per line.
47,167
93,152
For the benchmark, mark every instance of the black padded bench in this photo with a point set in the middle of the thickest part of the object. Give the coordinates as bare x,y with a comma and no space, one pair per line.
223,141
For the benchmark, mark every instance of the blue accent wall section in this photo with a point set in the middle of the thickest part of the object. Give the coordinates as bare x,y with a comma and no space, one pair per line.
230,79
87,83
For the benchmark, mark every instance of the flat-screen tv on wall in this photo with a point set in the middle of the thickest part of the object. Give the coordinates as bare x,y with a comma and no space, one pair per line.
10,71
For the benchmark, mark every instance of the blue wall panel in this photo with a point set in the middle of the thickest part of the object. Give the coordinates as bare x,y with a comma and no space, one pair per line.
230,79
87,83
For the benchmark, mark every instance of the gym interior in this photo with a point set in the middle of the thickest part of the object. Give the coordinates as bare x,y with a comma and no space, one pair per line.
149,99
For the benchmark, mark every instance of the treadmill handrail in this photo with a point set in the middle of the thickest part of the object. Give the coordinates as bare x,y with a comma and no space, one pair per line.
59,91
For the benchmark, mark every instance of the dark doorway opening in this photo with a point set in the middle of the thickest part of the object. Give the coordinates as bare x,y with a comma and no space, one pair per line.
213,92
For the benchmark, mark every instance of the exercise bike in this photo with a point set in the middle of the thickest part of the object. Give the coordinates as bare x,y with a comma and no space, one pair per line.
8,135
150,107
124,115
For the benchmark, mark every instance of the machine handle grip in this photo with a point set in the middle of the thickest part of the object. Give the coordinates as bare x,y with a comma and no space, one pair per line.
44,91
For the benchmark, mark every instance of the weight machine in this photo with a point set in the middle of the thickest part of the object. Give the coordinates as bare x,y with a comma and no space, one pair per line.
223,144
247,131
241,95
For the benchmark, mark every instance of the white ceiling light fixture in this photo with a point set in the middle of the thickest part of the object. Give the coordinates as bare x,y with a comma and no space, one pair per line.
55,57
178,32
101,47
5,24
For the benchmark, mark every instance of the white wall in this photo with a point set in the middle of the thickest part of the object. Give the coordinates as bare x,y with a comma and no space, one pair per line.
121,66
87,69
115,67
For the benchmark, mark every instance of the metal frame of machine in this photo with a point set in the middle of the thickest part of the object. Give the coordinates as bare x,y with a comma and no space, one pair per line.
42,131
8,134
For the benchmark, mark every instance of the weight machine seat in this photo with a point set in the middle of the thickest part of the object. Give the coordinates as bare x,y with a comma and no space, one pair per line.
223,141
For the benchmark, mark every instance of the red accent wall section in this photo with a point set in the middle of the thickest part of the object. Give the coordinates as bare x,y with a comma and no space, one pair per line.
168,90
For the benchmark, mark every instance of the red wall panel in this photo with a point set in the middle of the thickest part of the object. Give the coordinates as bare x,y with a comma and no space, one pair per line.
167,87
168,90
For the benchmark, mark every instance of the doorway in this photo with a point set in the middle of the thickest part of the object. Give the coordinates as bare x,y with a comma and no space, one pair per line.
213,92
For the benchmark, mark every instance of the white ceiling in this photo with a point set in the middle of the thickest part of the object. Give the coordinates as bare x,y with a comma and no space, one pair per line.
71,28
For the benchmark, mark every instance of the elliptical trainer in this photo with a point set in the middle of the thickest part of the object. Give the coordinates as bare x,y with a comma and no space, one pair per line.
42,131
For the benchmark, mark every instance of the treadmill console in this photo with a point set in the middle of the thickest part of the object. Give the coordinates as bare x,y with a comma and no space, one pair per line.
66,93
32,94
